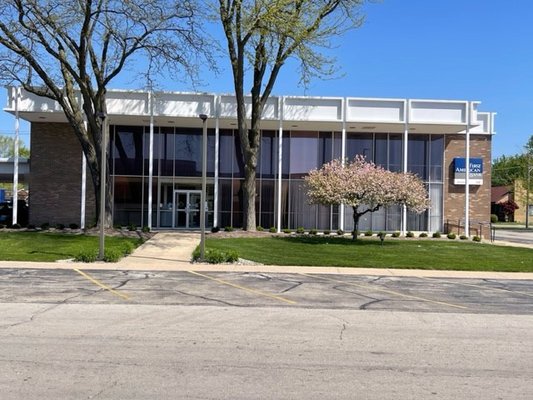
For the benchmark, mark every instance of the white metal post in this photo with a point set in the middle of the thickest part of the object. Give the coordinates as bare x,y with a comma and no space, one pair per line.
405,155
467,172
217,150
203,117
151,158
343,158
280,161
16,158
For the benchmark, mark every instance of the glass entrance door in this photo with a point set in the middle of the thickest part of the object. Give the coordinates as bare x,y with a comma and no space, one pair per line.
187,209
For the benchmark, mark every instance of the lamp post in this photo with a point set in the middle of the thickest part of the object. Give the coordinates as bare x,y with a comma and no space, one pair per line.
529,168
103,164
203,117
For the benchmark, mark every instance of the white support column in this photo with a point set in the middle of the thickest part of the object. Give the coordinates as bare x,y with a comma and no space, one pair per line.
217,150
151,158
405,155
280,161
343,157
467,171
16,157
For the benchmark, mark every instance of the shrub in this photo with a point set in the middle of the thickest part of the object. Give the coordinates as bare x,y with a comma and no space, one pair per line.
327,231
228,229
74,226
260,228
45,226
112,255
145,229
2,226
216,256
451,235
215,229
368,233
118,227
132,227
410,234
340,232
60,227
493,218
313,231
287,231
300,230
128,248
395,234
436,234
463,237
355,233
382,235
476,238
15,226
272,229
30,226
423,235
86,256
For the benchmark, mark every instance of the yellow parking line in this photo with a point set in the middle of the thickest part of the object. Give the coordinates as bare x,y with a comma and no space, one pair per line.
477,286
387,291
244,288
101,284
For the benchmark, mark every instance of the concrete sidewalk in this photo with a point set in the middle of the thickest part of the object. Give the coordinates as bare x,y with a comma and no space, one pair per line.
171,251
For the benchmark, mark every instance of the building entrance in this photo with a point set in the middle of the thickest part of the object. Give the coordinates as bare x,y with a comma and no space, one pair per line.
187,209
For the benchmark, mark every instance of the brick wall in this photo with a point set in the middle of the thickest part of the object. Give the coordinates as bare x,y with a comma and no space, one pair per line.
454,195
55,178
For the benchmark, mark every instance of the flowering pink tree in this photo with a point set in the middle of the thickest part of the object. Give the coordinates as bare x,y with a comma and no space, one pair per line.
365,187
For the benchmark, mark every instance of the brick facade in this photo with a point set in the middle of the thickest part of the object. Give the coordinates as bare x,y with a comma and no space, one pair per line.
55,178
454,195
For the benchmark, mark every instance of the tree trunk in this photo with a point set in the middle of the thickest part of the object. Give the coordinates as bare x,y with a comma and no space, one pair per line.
356,216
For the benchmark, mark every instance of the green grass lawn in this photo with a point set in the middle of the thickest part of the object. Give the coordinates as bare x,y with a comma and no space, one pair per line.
39,246
334,251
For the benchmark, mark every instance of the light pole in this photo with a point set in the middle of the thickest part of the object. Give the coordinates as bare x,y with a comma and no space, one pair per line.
103,164
203,117
529,168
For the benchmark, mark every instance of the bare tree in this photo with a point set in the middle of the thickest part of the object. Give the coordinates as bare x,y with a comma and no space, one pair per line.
64,50
261,36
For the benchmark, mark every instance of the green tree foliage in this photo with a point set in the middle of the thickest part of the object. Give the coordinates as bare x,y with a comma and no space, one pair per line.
261,36
70,51
507,169
7,147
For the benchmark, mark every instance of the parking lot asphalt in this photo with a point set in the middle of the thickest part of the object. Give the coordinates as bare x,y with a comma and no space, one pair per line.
252,289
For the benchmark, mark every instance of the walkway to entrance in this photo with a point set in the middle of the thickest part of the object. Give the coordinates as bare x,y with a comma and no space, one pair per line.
164,248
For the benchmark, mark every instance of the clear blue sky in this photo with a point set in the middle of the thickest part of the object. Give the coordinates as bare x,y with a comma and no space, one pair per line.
455,49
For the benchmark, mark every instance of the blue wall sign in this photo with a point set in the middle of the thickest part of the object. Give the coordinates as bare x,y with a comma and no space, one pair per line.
476,171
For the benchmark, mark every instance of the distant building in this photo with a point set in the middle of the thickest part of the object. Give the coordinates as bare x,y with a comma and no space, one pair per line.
426,137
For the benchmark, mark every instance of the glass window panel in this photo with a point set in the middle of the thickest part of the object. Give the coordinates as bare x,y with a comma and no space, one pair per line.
417,158
381,151
167,151
128,150
226,153
128,198
268,160
395,153
325,151
303,214
359,144
303,153
436,158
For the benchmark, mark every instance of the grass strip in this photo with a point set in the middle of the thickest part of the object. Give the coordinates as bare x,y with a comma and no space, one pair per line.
441,254
39,246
